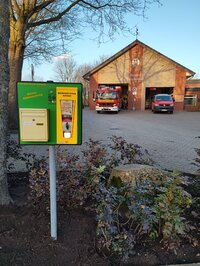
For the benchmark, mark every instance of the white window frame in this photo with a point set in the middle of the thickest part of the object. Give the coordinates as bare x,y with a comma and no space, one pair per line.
193,97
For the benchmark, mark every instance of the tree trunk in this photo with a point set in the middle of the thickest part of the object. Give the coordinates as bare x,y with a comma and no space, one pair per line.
16,54
4,81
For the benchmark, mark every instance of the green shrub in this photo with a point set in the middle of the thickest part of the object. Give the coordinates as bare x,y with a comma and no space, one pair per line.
169,206
197,160
68,182
39,183
14,152
154,207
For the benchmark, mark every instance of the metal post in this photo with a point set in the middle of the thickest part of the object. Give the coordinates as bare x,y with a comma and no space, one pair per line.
53,203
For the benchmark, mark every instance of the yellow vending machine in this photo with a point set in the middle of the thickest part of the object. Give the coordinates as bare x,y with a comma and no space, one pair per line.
67,115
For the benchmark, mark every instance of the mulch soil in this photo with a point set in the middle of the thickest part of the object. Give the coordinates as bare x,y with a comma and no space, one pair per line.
25,237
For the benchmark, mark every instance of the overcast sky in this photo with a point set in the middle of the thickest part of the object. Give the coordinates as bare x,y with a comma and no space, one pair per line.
172,29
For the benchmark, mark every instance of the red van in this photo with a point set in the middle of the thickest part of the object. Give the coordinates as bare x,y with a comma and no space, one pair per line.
163,103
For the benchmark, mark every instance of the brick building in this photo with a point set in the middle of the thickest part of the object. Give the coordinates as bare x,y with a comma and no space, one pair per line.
143,72
192,95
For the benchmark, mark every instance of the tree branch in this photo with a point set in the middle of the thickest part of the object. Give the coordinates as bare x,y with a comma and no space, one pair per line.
99,6
52,19
12,15
36,9
16,7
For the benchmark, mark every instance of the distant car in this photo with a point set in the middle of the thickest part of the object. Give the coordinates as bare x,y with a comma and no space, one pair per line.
163,103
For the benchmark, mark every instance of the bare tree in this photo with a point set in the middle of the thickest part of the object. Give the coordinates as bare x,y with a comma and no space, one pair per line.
82,70
4,81
36,26
65,69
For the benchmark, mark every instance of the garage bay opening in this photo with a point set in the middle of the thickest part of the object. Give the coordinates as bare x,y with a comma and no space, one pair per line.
152,91
111,97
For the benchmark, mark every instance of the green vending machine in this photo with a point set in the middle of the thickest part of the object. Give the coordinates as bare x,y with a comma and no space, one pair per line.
50,113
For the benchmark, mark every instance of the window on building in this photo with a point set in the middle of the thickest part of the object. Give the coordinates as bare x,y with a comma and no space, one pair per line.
190,100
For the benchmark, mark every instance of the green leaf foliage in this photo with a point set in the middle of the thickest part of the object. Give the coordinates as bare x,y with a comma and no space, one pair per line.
154,207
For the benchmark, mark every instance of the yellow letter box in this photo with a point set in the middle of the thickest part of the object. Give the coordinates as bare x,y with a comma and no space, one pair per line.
33,124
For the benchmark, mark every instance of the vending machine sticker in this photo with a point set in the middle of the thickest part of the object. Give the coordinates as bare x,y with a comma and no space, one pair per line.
67,116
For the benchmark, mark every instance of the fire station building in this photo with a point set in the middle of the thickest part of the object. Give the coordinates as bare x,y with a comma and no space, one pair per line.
143,72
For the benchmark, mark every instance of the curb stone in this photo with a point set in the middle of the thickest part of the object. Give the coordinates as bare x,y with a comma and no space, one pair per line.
189,264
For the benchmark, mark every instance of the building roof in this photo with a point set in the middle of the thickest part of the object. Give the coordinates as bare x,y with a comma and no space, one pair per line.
193,81
189,72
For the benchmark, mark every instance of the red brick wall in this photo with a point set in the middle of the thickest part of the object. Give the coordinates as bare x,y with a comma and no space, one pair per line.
197,107
135,78
193,89
93,89
179,89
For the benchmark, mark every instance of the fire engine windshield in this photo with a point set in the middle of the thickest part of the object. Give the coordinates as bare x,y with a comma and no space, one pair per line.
108,95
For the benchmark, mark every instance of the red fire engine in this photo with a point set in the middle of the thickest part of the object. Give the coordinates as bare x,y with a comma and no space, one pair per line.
108,99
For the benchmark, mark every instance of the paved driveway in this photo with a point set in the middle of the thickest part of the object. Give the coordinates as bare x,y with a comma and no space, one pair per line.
170,139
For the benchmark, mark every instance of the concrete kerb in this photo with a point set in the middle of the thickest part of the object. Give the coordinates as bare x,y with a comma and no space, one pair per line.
190,264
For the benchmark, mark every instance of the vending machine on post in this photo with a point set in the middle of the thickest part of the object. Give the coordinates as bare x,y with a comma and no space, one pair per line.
50,113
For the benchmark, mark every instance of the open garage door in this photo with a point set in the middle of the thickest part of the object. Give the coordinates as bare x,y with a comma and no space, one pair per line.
124,93
151,91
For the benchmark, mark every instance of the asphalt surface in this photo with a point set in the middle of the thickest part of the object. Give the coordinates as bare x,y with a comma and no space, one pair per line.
170,139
